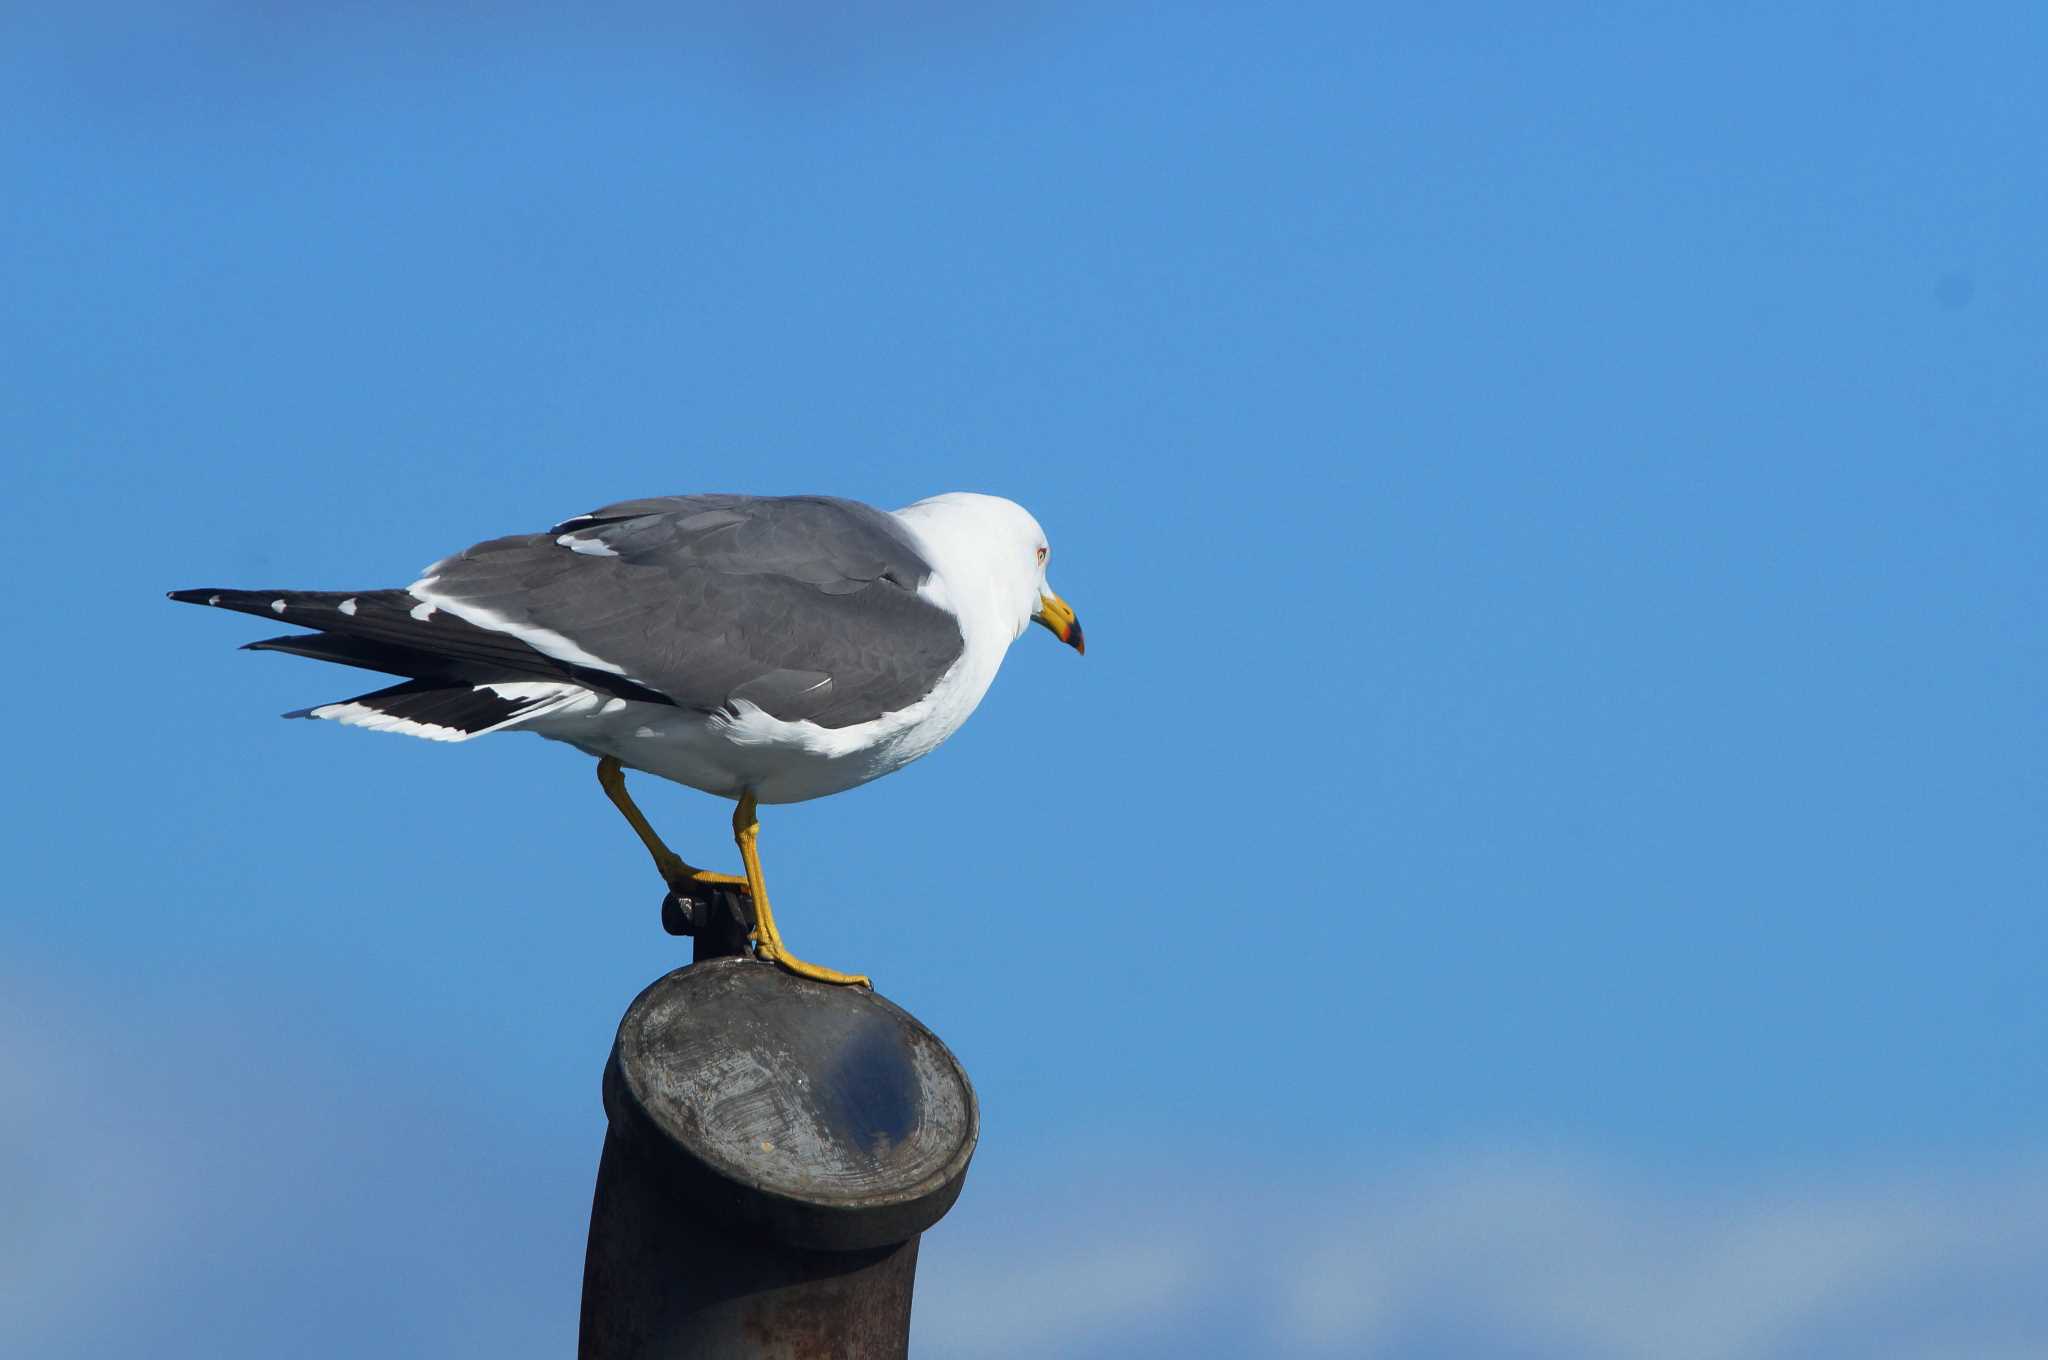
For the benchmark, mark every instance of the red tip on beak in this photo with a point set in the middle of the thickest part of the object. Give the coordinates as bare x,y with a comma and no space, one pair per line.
1057,615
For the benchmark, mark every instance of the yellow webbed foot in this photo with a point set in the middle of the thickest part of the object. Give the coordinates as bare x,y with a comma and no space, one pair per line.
682,877
790,963
746,832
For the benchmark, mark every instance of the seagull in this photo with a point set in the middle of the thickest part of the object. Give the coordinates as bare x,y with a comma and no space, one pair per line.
766,649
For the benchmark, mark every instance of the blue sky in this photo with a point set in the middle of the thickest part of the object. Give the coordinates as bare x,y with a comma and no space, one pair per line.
1551,817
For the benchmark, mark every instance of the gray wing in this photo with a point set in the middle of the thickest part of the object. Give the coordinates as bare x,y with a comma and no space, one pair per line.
804,605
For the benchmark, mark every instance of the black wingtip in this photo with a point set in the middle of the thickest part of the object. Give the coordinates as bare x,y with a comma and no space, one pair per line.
204,595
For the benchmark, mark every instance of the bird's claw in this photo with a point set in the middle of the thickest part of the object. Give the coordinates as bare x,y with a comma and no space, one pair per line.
685,880
789,963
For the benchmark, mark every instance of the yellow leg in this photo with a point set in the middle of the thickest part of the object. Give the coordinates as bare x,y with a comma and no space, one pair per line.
746,829
679,876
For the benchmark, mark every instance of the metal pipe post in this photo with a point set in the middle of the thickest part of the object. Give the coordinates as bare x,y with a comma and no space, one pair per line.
776,1146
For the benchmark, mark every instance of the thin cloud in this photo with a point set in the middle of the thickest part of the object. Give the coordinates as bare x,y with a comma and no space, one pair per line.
233,1184
1497,1255
209,1187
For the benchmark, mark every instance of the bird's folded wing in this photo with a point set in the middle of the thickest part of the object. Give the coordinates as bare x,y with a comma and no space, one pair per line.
805,606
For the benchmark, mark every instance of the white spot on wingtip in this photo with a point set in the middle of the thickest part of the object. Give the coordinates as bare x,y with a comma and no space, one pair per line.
423,611
645,732
589,547
612,705
277,606
213,599
348,606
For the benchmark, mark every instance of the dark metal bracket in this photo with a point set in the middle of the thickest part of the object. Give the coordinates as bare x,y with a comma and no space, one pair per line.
720,920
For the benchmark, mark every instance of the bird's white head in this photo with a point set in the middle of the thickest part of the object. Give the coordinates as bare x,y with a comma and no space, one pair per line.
990,545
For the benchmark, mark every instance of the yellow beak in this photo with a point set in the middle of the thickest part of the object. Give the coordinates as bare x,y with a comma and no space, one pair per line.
1058,615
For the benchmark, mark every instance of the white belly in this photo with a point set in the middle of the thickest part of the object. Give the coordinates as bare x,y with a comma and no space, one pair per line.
781,762
695,749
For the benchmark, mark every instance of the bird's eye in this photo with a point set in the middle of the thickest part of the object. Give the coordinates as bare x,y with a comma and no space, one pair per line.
1041,554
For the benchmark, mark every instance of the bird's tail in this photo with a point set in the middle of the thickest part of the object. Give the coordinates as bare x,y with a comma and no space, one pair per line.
439,712
461,680
385,630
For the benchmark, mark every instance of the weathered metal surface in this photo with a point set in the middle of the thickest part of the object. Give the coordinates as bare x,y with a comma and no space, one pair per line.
826,1117
776,1146
662,1283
